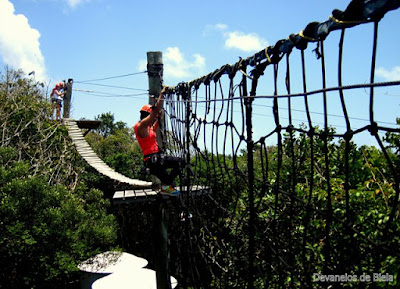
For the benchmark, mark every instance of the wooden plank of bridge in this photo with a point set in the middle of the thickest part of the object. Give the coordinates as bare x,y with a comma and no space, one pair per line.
93,160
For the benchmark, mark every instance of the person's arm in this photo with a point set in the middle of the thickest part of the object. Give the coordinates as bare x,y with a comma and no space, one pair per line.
59,93
148,121
158,118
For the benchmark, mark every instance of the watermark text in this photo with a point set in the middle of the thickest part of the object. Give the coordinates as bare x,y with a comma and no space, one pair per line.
344,278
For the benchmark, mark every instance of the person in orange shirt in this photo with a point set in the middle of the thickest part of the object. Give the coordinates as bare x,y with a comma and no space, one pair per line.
154,160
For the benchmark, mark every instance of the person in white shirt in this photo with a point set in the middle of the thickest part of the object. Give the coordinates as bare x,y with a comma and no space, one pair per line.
57,95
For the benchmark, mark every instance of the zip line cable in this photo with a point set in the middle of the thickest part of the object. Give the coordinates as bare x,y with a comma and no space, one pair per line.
112,77
305,121
112,86
105,94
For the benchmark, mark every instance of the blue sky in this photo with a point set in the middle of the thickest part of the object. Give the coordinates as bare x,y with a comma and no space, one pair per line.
96,39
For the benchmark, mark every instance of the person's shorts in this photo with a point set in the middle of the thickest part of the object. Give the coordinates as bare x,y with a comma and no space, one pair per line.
57,101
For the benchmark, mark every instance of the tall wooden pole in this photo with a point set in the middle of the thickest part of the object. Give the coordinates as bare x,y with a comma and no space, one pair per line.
67,98
155,73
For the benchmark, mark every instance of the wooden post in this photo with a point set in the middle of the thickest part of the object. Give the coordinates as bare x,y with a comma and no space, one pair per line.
161,245
67,98
155,73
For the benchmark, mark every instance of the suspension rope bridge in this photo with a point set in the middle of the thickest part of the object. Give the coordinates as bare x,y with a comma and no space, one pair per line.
279,214
94,161
139,190
281,211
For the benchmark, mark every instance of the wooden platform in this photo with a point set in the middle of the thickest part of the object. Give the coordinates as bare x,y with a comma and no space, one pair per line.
149,195
88,124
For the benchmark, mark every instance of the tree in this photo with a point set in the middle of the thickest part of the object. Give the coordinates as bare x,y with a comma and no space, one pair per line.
107,125
115,144
50,220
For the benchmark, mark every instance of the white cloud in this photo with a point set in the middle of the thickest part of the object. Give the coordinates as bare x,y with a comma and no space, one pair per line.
19,43
74,3
177,67
220,26
209,29
174,55
142,66
245,42
249,42
388,75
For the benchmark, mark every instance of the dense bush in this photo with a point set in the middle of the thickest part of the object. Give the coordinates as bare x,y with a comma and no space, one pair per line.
50,220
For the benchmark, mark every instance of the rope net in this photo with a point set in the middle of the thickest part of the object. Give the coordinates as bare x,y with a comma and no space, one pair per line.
294,197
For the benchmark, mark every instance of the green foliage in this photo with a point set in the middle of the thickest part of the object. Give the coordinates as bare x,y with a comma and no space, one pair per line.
295,233
47,229
115,144
291,201
50,220
108,126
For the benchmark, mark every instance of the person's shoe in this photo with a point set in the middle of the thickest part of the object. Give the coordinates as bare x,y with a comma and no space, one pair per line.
169,190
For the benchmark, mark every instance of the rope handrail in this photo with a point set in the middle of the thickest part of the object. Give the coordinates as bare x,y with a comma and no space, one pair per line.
357,12
300,94
285,201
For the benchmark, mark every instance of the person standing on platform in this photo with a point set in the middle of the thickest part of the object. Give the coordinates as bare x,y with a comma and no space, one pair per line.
57,95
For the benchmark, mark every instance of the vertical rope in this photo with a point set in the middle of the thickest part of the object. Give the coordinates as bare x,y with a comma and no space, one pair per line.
372,78
325,136
305,89
374,131
250,168
347,137
274,225
306,280
293,168
349,134
288,89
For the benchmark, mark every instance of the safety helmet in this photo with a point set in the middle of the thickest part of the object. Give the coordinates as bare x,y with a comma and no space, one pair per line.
147,108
